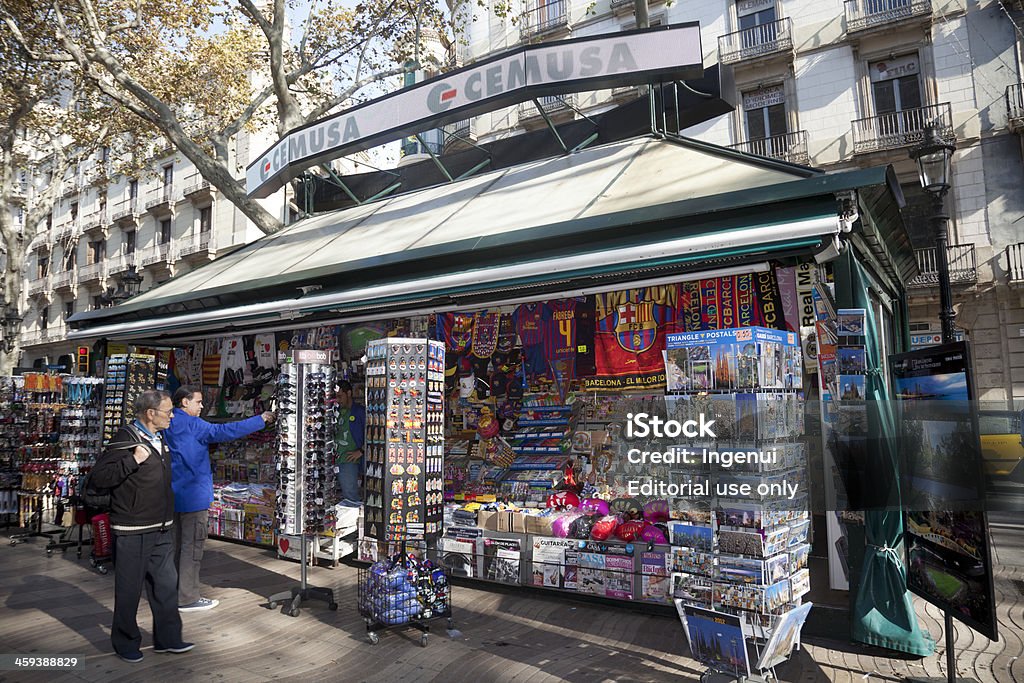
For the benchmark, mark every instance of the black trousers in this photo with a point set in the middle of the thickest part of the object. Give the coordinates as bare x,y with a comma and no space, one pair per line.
145,560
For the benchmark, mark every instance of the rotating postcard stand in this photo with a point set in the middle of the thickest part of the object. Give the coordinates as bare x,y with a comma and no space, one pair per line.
305,393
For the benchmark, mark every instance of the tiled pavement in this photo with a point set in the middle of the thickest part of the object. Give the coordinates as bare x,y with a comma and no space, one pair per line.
59,605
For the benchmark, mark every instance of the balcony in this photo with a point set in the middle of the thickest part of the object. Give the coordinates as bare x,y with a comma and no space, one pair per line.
1015,107
53,333
791,147
198,190
555,106
963,267
1015,263
66,230
198,249
158,255
757,42
96,223
40,285
543,20
862,15
92,272
127,213
161,200
119,264
65,281
98,174
901,128
31,338
73,185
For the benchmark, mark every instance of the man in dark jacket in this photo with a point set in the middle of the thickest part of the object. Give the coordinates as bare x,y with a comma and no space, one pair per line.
189,438
136,467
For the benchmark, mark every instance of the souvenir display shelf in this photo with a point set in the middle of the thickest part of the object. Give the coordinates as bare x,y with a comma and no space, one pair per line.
404,440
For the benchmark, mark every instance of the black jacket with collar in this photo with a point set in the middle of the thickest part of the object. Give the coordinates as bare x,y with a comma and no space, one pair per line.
141,498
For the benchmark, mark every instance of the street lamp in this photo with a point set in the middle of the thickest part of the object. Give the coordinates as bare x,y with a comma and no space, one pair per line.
934,157
11,325
128,285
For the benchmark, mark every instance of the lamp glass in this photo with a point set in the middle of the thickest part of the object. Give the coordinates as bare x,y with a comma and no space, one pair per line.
934,167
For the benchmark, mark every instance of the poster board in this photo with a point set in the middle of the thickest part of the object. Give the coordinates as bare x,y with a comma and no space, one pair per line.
948,553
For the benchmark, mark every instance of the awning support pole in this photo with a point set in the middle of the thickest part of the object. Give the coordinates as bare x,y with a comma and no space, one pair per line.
551,126
336,179
433,157
587,141
387,190
473,170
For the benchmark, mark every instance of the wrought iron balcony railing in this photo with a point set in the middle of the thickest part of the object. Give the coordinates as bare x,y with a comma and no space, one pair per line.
790,147
542,18
551,104
160,198
901,128
865,14
1015,106
1015,262
755,42
963,266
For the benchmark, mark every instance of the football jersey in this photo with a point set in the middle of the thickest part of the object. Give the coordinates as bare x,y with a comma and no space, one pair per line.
529,321
560,336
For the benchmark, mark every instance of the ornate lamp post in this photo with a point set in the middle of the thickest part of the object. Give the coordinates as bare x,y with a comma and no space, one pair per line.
934,157
11,326
128,284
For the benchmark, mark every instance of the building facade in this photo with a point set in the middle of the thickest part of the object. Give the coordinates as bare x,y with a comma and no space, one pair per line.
166,220
837,85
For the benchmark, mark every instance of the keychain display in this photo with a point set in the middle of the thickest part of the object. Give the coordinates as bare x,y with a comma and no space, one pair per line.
127,376
404,496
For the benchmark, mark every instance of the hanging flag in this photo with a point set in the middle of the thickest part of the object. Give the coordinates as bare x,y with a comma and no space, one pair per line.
745,301
786,278
769,304
630,336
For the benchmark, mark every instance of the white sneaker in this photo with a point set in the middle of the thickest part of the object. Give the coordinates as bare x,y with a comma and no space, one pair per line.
199,605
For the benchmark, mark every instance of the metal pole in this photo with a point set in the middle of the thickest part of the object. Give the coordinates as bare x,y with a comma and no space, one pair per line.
940,222
950,659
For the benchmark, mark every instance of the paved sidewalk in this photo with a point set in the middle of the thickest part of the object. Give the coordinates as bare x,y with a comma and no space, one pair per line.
58,605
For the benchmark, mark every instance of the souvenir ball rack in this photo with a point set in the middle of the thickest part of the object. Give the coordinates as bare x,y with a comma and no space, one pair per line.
305,466
404,443
403,590
746,556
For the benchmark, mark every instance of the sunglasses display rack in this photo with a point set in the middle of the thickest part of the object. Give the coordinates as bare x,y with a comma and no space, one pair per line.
81,423
305,392
127,376
404,492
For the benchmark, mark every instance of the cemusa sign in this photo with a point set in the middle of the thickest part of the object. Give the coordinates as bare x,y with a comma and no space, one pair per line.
628,58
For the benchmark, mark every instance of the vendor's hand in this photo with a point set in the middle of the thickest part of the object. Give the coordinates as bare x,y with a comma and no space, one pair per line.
354,456
268,417
141,454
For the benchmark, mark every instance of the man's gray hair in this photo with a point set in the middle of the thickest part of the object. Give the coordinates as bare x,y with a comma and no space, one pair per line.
150,399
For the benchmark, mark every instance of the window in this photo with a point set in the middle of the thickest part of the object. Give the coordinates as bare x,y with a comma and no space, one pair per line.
751,13
756,19
104,154
74,211
917,215
896,84
97,251
165,231
49,221
765,111
44,318
205,219
129,242
69,309
70,257
42,266
133,190
97,302
168,175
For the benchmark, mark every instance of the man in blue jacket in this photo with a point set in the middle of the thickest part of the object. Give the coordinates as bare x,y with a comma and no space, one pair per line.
189,439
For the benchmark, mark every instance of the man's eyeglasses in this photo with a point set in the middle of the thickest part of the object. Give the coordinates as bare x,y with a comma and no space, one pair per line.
165,412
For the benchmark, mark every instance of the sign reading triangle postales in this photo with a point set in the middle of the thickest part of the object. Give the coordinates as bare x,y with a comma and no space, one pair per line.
663,53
